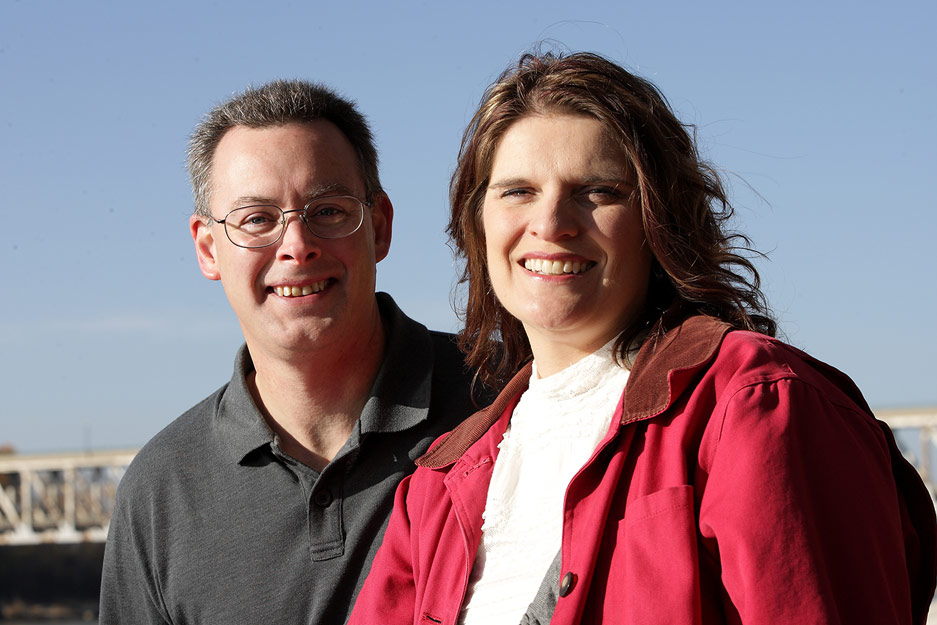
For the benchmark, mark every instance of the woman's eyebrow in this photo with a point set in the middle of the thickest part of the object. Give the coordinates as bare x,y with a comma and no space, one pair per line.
508,182
614,179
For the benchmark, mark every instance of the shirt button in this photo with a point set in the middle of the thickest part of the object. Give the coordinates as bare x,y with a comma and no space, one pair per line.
323,498
567,583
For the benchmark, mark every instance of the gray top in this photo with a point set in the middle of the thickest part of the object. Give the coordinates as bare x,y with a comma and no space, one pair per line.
214,523
540,611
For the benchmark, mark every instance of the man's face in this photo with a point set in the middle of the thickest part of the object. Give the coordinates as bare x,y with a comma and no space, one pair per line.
288,166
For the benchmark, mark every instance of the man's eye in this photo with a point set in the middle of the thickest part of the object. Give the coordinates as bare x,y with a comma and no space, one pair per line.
254,219
327,212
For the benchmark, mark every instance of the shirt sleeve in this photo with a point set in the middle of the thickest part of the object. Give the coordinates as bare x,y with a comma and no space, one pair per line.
129,593
800,511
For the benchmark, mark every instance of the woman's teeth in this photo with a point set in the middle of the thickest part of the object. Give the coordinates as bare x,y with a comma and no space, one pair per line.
299,291
555,267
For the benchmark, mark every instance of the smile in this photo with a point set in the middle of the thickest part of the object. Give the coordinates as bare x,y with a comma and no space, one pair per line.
556,267
299,291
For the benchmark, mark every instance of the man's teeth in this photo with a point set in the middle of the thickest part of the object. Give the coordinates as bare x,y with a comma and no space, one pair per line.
299,291
554,267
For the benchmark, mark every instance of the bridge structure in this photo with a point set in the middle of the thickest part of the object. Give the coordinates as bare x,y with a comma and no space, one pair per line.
916,434
58,498
69,498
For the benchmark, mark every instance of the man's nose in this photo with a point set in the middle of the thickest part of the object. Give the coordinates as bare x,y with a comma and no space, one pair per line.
298,242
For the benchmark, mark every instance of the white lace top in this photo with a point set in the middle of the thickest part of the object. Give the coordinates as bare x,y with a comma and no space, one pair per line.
555,428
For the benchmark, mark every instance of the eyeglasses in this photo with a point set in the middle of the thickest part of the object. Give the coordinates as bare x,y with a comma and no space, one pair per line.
331,217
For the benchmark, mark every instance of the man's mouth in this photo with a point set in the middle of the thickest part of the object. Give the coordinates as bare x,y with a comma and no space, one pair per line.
299,291
556,267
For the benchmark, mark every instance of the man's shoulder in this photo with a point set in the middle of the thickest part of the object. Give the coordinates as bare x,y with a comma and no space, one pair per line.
447,356
455,384
414,347
175,448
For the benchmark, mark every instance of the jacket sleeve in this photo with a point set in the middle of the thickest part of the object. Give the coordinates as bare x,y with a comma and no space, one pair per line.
800,510
388,596
129,594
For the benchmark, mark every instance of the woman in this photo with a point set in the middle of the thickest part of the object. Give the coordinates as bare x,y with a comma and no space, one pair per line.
673,461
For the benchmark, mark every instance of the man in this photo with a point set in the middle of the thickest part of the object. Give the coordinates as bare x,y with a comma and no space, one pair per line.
266,502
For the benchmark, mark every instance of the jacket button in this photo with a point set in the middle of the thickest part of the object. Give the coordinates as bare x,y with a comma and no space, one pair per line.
567,583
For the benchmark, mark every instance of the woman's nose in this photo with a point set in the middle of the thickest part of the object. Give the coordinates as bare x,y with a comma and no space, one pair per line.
554,218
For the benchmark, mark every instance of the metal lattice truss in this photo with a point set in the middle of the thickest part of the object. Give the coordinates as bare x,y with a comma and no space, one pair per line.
69,498
916,432
58,498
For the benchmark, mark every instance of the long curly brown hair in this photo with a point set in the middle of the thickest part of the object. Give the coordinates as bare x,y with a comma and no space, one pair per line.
699,265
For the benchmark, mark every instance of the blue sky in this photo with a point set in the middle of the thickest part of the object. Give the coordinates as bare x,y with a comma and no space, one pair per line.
823,117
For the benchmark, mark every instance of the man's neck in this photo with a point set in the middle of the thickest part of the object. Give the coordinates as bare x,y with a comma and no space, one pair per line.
313,403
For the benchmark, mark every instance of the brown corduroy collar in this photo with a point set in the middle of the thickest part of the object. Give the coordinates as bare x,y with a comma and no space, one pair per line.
662,370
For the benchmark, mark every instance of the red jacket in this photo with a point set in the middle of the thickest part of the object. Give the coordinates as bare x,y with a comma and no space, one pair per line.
741,481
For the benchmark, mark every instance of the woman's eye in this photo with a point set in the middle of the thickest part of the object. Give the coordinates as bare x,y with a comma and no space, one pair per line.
515,193
602,195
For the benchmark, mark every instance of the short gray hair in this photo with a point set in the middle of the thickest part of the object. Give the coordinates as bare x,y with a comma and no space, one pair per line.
275,104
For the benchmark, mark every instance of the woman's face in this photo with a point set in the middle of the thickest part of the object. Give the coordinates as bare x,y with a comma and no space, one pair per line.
565,246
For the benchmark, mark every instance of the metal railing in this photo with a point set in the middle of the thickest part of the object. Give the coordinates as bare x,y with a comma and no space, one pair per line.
69,498
916,434
58,498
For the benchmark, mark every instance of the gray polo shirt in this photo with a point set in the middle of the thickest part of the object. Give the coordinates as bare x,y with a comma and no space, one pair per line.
214,523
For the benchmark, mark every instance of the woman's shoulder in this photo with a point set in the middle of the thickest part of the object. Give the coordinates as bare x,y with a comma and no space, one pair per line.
747,350
748,358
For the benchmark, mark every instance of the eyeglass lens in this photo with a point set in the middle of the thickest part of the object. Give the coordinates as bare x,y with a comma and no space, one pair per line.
328,218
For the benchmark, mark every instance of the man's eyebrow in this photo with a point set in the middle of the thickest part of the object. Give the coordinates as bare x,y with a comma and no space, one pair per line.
331,188
253,200
322,190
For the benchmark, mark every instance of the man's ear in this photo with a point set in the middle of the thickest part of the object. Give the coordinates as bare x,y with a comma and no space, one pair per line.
204,247
382,218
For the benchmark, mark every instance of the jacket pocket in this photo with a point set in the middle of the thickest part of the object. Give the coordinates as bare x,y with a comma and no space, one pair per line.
653,571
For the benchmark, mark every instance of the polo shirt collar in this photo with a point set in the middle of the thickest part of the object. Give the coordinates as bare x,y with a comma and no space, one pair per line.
399,398
238,421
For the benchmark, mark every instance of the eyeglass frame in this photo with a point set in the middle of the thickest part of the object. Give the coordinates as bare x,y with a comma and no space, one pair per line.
302,217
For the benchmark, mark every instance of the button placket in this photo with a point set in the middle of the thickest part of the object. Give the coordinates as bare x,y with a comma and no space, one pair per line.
325,517
322,497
